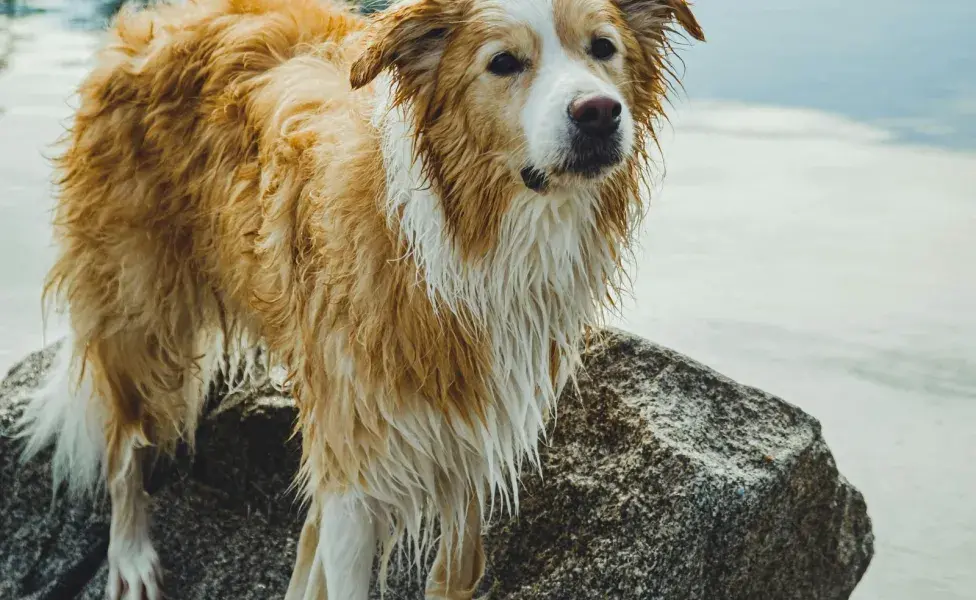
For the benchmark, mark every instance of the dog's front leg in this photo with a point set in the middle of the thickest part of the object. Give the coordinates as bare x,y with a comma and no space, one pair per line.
308,577
460,562
347,545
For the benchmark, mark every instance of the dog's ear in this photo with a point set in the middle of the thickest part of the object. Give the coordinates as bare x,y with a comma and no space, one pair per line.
409,37
651,15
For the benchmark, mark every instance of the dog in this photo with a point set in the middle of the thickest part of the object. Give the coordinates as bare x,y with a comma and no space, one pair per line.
416,214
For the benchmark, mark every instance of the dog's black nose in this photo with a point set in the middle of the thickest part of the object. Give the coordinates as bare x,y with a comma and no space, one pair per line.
596,115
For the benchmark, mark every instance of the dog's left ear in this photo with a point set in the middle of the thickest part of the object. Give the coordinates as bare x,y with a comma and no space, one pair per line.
649,15
409,37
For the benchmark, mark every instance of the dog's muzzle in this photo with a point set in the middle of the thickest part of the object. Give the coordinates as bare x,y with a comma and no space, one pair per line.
595,140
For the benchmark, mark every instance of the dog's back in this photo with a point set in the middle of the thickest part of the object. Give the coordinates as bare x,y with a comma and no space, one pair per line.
171,129
161,180
162,206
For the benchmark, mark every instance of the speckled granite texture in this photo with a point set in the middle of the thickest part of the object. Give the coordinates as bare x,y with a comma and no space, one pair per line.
662,480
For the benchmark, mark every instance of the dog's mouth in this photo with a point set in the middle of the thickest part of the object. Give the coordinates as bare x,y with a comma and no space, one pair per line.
541,182
587,161
535,180
591,157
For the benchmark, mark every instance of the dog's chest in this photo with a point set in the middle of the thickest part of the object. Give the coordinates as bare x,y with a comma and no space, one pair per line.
532,292
541,286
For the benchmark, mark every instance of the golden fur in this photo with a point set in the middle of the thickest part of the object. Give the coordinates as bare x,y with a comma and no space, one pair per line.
224,182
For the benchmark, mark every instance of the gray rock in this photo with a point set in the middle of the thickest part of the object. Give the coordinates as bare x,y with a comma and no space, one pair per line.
662,480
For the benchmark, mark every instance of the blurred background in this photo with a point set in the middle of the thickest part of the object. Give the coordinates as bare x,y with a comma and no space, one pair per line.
815,236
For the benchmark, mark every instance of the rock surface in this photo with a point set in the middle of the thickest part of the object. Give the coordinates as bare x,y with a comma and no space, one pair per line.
663,480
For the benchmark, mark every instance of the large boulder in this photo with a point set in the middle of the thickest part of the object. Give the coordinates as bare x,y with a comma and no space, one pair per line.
662,480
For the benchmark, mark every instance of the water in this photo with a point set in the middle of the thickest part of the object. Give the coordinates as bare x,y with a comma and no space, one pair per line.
815,236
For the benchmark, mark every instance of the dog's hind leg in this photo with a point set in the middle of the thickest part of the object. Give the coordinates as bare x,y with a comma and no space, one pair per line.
114,396
92,410
134,571
151,394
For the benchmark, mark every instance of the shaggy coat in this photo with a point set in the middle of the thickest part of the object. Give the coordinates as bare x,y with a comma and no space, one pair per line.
346,193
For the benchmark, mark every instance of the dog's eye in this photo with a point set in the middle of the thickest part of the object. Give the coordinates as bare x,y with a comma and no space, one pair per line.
602,49
504,64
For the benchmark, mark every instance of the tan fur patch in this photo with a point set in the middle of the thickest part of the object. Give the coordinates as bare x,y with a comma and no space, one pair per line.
253,204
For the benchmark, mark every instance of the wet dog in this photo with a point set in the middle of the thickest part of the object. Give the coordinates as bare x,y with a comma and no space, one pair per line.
416,214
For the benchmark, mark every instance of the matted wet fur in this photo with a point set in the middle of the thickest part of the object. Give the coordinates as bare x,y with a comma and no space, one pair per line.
417,215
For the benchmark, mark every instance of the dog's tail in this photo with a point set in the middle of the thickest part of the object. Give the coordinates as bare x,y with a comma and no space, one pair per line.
64,411
67,412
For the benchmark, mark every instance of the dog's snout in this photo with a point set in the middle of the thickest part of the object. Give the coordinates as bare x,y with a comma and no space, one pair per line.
596,115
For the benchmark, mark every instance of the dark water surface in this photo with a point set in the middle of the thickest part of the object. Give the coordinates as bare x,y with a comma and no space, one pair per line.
814,236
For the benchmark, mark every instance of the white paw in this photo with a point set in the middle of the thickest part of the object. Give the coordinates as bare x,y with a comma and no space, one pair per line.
133,573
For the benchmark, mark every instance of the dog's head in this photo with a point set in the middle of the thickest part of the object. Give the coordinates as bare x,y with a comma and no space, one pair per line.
508,94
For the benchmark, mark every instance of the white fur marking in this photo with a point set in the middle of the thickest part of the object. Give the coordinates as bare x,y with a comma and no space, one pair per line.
133,568
347,546
559,80
64,411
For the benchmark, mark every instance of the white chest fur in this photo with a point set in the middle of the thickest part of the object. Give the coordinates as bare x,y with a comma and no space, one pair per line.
543,280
